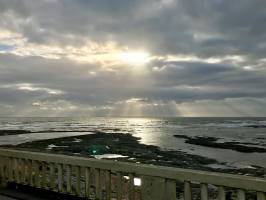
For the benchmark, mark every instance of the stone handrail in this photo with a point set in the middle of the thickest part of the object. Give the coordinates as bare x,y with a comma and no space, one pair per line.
105,179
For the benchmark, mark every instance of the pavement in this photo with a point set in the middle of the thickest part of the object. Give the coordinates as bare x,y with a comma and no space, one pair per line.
6,198
9,194
19,192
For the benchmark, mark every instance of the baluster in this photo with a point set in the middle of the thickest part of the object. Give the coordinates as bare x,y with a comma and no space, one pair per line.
3,176
119,186
15,170
241,194
1,172
24,171
29,172
221,193
1,168
108,184
97,183
60,178
78,181
170,189
52,177
38,173
187,190
20,170
87,182
131,187
153,188
10,169
6,169
25,177
69,178
102,180
261,196
204,191
44,175
35,173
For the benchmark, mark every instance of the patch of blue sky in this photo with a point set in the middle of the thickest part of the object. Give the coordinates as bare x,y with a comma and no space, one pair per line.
4,48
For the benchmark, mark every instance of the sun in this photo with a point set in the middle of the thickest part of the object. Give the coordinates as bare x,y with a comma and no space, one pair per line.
134,57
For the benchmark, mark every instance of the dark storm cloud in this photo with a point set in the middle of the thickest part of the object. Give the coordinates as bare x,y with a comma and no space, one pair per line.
204,29
233,22
200,73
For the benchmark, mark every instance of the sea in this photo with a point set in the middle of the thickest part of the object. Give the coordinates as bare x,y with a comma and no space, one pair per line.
153,131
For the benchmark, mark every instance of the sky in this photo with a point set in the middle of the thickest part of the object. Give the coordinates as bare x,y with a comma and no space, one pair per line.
135,58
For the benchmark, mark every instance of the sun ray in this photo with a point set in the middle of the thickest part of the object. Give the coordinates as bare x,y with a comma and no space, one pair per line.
134,57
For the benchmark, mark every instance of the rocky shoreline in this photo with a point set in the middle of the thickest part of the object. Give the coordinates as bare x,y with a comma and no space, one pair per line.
13,132
130,150
213,142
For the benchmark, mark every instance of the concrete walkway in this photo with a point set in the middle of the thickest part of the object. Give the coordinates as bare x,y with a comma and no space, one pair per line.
6,198
10,194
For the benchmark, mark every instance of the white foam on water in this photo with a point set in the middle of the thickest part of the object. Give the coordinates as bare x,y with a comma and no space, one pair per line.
109,156
30,137
51,146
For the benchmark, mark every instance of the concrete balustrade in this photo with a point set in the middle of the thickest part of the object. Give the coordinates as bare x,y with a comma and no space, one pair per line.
103,179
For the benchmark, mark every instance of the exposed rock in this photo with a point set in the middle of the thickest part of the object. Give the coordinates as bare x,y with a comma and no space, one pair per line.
128,145
13,132
256,126
212,142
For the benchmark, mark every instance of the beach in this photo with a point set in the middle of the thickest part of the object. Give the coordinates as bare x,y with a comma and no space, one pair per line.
197,143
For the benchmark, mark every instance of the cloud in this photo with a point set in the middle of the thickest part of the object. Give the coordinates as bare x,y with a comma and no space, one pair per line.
31,88
234,107
206,55
59,105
